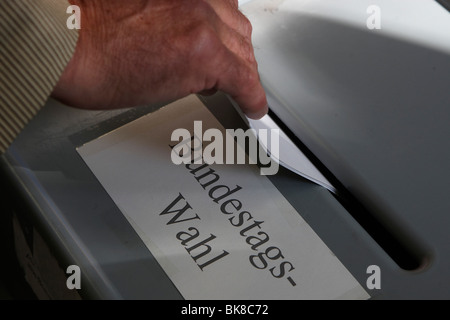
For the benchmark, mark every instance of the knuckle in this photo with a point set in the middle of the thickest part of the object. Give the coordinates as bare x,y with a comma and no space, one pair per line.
244,48
250,54
203,41
235,3
247,26
204,36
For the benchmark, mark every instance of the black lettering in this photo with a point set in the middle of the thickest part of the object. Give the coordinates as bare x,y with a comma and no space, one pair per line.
194,170
207,263
240,218
255,242
277,255
184,241
262,261
224,195
198,245
214,179
255,224
178,212
234,202
281,273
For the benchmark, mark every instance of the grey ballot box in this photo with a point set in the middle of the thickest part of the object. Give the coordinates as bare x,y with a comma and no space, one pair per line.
370,109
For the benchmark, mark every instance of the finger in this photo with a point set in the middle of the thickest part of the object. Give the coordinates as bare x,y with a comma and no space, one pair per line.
229,13
235,42
241,81
251,99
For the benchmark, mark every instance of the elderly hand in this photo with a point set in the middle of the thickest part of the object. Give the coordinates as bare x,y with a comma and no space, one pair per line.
138,52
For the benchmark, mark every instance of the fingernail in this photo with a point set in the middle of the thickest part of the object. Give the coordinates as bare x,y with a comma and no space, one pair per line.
258,114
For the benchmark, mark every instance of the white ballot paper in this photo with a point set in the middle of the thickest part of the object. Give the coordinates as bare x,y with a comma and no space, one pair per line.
289,156
219,231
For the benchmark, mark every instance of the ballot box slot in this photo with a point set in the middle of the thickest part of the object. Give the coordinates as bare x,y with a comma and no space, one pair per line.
405,253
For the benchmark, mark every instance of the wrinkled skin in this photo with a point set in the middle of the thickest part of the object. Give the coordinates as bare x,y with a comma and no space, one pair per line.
138,52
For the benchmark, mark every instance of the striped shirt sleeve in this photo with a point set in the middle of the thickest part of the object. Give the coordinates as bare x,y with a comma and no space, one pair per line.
35,47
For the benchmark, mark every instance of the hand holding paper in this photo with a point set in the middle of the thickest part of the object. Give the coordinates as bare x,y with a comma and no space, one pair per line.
138,52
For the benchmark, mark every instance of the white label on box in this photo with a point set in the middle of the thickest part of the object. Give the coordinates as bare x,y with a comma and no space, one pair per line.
218,231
